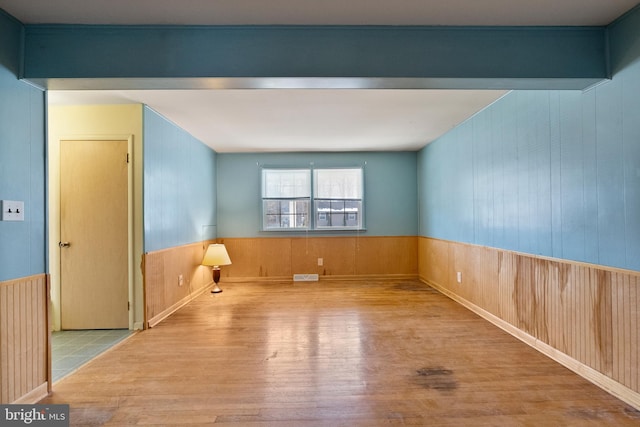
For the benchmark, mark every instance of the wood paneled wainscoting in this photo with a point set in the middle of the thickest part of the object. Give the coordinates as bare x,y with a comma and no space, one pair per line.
267,259
585,317
263,259
164,291
24,340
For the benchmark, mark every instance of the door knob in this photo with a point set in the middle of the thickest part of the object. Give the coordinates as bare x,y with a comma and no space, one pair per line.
64,244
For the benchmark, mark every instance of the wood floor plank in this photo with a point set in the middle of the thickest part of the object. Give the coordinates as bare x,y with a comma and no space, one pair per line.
353,353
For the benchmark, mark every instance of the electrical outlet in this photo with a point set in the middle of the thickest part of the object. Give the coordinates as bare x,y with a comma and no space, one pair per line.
180,280
459,276
320,261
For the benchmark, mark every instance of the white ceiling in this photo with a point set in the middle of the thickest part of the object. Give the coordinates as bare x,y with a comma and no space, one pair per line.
252,120
245,120
315,12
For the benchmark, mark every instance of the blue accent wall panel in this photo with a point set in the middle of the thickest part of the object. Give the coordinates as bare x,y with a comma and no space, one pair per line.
572,176
483,183
37,182
508,167
555,177
631,154
533,174
448,206
462,191
590,163
552,173
610,172
390,191
22,161
179,186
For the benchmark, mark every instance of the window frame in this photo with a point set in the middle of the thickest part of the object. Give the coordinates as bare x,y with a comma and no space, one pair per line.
312,213
316,198
293,199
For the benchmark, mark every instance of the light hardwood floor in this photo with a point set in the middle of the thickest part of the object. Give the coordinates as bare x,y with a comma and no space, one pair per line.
329,353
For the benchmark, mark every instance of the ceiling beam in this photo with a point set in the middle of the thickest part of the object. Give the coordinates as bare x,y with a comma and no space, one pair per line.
161,57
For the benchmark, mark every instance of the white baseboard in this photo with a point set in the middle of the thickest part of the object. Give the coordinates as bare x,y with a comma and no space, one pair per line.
138,326
175,307
34,396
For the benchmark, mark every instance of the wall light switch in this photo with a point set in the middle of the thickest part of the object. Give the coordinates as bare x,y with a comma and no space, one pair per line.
320,261
12,210
459,277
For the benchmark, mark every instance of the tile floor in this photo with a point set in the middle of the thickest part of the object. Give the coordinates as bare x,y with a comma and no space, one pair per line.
72,349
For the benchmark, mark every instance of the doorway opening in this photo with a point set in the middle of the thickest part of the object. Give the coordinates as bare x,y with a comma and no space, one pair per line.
94,247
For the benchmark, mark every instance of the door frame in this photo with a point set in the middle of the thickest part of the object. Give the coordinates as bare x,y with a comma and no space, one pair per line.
54,224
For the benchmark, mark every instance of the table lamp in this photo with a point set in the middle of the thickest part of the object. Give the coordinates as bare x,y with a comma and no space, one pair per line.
215,256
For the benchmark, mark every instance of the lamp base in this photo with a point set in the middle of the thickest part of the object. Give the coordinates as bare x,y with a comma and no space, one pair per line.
216,278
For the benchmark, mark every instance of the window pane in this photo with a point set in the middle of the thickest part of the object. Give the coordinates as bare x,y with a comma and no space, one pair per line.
338,183
352,209
323,213
338,213
286,214
271,207
286,183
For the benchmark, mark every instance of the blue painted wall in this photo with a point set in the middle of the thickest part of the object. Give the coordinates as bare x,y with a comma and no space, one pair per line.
179,186
22,160
548,172
389,184
554,173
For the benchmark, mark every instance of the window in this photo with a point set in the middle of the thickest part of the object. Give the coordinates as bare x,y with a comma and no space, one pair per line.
337,199
286,198
336,196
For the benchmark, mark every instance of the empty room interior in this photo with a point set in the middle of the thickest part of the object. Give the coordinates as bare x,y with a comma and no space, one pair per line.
321,213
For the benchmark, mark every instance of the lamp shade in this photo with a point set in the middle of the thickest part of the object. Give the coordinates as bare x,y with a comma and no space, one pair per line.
216,255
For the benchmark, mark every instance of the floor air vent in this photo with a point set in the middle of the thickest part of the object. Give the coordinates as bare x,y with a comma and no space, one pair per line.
305,277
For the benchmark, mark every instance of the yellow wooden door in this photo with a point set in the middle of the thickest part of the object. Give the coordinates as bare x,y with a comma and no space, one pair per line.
94,218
